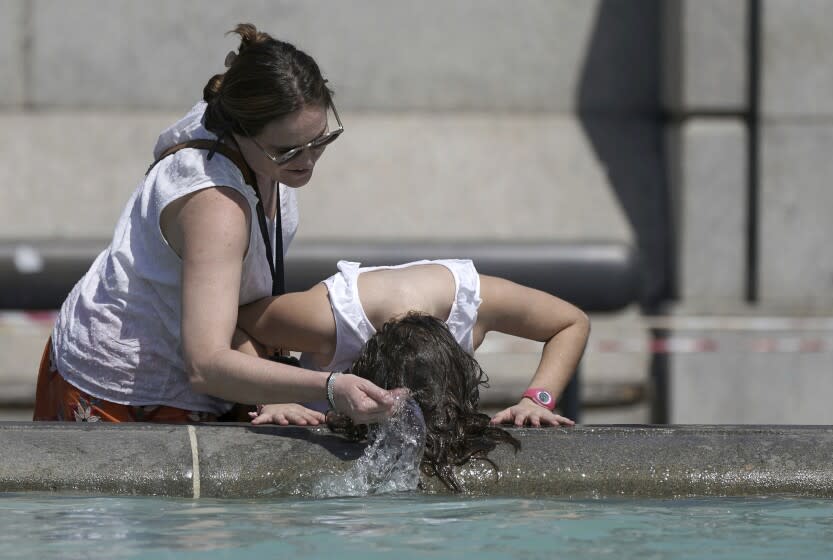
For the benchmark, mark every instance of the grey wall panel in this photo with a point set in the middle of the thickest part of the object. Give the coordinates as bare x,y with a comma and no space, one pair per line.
12,34
738,385
70,174
796,204
389,177
541,55
704,55
467,177
709,185
796,74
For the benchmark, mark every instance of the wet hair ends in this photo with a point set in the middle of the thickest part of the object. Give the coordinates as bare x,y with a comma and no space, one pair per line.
418,351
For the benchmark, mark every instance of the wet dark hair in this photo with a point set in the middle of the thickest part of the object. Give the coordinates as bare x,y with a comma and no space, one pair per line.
266,79
418,351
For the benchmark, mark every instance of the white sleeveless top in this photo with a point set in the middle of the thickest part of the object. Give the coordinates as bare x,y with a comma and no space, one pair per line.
353,328
117,335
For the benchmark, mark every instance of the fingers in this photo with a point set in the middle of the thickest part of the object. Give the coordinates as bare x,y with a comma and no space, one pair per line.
504,415
305,417
279,419
361,400
374,417
546,418
376,393
265,419
564,421
286,414
552,419
400,392
523,416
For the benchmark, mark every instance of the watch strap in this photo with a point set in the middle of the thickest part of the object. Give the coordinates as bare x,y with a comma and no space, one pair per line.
541,397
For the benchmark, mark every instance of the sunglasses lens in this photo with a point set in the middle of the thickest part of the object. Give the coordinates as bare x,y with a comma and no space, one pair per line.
290,155
315,144
324,140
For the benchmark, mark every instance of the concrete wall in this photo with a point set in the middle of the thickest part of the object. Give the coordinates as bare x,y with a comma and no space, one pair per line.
449,119
796,202
731,69
709,179
11,53
432,55
792,268
704,92
748,82
745,366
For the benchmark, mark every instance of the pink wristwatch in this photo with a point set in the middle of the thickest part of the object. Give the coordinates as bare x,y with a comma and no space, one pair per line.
541,397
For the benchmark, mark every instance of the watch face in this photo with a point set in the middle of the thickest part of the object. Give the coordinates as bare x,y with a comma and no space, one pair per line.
544,397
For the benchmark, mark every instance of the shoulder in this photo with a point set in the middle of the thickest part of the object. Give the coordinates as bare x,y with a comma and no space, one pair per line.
497,295
189,170
215,214
213,204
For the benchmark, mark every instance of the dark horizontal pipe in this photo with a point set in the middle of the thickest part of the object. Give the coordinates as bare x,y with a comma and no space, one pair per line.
596,276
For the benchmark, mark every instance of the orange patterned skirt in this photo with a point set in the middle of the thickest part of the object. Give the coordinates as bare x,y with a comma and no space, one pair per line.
57,400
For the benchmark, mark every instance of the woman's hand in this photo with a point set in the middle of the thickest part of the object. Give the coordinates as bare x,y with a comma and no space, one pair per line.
361,400
527,413
285,414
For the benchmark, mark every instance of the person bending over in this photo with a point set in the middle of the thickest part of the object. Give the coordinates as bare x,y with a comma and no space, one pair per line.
339,323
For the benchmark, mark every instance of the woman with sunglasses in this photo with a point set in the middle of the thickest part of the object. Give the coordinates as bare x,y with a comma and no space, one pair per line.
148,334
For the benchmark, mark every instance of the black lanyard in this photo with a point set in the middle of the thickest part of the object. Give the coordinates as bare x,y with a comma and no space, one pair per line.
274,258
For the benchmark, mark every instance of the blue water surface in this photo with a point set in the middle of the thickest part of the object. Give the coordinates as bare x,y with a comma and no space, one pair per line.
412,526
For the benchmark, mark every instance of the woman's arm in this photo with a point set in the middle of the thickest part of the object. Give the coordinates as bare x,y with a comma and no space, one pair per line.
210,231
298,321
521,311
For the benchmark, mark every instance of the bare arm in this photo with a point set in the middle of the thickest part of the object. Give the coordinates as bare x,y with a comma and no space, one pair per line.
210,231
299,321
525,312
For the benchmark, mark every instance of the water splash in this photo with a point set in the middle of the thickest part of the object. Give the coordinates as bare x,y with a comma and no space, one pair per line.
390,462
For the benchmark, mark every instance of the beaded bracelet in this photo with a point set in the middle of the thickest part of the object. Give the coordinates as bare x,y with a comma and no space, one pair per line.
331,381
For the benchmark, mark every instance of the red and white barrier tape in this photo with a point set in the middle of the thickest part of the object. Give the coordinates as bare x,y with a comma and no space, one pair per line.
677,344
18,321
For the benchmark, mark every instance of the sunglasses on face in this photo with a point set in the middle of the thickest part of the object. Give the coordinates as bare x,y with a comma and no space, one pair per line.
287,155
